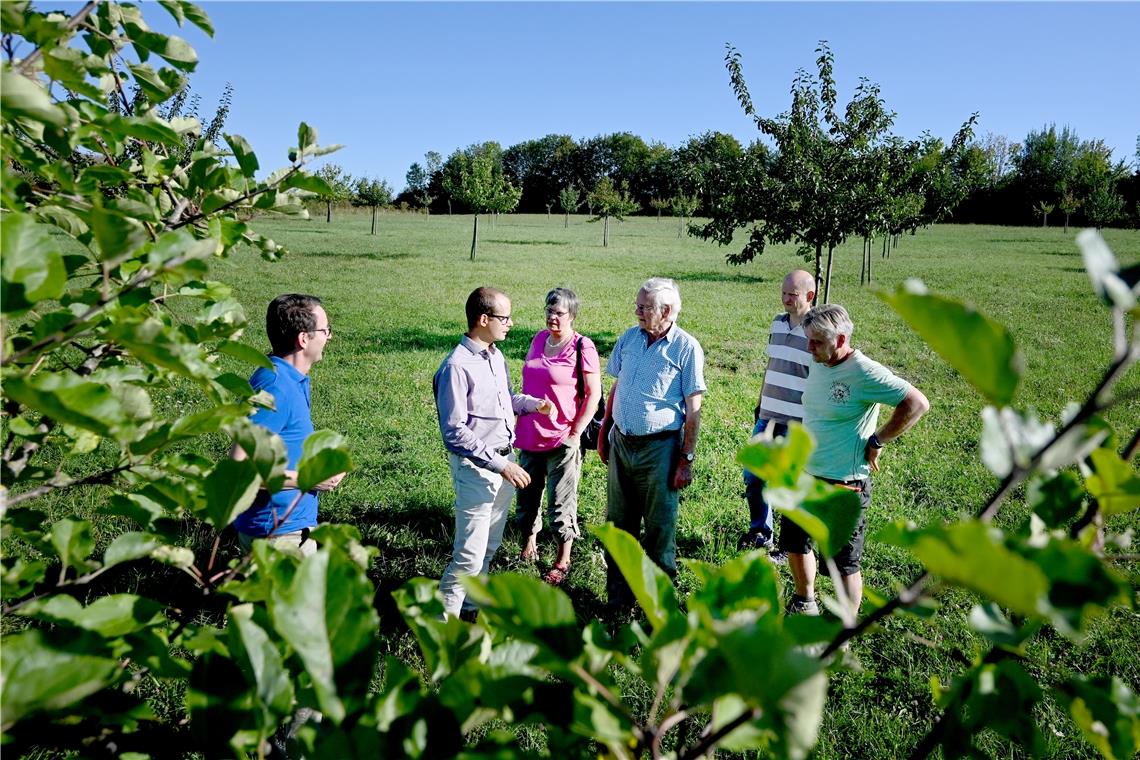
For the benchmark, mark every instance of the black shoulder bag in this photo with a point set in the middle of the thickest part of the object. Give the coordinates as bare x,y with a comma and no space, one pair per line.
589,437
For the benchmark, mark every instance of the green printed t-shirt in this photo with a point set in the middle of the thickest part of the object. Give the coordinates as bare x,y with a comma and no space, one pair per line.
841,411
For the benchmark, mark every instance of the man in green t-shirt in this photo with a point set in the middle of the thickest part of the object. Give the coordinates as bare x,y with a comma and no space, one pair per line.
841,410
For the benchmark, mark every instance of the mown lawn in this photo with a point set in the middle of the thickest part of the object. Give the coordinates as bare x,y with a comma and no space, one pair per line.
396,304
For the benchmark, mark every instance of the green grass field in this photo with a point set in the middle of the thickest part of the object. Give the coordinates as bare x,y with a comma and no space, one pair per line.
396,299
396,303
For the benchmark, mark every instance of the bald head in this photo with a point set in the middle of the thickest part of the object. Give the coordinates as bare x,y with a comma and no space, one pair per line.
798,293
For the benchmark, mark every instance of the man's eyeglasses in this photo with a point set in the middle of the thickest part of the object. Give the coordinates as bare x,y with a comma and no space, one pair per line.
326,330
503,318
640,309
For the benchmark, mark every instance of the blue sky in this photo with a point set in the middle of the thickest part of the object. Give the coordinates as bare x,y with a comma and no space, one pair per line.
394,80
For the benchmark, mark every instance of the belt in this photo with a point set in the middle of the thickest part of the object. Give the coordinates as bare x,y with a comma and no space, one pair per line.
651,437
504,451
850,485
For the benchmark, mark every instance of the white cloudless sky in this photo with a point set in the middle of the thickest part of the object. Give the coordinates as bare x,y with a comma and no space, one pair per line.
393,80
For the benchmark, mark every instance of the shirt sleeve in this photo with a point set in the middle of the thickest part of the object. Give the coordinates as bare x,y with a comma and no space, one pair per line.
693,373
591,362
273,420
881,386
613,366
451,405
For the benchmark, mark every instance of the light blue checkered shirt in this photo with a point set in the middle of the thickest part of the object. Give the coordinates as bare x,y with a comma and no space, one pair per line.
653,381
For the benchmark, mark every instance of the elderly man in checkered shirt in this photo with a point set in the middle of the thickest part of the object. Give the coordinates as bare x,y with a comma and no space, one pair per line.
649,434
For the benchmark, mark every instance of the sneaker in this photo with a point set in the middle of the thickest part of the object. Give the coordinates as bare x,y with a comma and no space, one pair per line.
754,539
470,616
777,556
800,606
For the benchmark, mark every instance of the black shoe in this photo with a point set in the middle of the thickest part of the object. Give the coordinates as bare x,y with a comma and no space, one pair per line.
777,556
754,539
469,616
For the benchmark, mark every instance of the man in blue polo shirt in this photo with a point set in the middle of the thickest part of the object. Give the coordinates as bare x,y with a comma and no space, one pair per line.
298,330
649,434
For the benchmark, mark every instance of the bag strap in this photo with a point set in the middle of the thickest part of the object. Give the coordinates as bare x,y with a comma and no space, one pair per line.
581,380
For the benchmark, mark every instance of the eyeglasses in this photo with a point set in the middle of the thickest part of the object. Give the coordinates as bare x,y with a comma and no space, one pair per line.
503,318
555,313
643,309
326,330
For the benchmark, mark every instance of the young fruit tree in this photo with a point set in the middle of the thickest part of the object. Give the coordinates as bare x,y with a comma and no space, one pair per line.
812,191
569,200
475,178
608,200
373,193
339,183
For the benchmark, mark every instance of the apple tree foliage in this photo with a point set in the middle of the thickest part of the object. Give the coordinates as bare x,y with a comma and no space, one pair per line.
107,307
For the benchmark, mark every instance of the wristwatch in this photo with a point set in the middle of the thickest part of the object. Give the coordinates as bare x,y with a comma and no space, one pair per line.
690,456
874,441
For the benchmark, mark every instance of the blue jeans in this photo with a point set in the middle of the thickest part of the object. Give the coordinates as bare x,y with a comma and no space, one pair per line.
759,513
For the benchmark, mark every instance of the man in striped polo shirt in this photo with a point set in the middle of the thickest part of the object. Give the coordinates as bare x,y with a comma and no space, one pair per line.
779,404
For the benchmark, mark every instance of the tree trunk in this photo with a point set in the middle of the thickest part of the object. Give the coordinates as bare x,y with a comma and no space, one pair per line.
1044,216
886,237
449,207
328,212
818,261
1066,222
373,220
681,226
475,237
606,231
566,223
869,257
659,215
863,262
827,282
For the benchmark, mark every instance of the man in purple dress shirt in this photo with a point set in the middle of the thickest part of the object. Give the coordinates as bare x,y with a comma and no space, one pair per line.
477,411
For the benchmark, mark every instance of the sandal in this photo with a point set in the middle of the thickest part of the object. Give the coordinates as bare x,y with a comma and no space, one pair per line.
529,557
557,575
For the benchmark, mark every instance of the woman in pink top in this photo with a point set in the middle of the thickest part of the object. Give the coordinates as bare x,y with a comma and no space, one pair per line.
549,450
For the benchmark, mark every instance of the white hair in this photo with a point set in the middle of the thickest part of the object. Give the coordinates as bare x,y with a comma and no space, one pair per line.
830,319
664,293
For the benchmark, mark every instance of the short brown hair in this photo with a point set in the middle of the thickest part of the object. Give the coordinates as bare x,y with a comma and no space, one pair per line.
287,317
480,302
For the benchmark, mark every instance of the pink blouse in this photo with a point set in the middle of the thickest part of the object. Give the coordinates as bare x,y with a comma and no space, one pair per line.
555,378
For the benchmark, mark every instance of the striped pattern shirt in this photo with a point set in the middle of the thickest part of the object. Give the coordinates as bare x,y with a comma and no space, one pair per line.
788,365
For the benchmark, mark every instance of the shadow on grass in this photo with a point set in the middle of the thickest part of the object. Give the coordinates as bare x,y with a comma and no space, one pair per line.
529,242
413,339
369,256
719,277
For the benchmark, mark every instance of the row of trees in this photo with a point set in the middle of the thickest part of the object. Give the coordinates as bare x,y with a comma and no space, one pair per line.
1002,181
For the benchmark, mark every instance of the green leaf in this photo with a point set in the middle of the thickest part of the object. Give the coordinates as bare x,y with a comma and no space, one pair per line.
988,620
245,353
153,84
1103,269
22,97
530,610
979,349
780,462
971,554
243,154
150,128
1108,713
308,182
827,513
32,267
323,455
745,582
1114,484
1011,437
324,612
1056,500
650,585
72,541
129,546
41,673
1081,585
230,490
197,17
109,616
258,656
306,137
